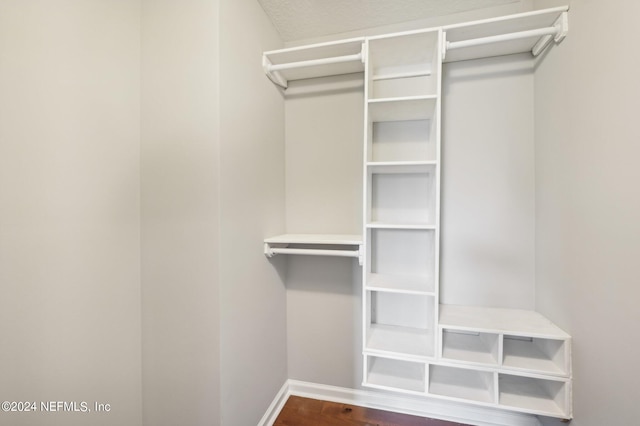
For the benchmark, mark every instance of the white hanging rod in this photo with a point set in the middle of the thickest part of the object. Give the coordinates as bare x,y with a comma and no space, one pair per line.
313,252
503,37
315,62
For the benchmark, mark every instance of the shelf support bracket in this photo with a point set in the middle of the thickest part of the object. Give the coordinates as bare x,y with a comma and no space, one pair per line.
274,76
562,26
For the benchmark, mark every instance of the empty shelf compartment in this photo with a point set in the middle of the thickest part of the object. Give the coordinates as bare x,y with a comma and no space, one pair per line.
410,140
402,252
470,346
403,198
534,395
400,324
393,374
462,383
548,356
401,65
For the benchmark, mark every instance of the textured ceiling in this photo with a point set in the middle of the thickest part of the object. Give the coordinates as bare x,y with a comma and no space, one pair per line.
302,19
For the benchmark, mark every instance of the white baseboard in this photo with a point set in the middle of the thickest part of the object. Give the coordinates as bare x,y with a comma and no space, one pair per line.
417,406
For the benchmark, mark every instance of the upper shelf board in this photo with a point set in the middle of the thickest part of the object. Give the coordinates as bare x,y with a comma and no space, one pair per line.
308,61
493,30
490,37
328,239
315,245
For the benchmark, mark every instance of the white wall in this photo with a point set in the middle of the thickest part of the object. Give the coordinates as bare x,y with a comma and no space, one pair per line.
180,212
588,204
324,132
252,293
69,208
487,240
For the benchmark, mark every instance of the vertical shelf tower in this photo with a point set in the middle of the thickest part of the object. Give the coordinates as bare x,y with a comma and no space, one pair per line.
502,358
401,208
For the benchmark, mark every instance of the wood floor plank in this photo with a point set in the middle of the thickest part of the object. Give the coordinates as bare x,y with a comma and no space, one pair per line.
299,411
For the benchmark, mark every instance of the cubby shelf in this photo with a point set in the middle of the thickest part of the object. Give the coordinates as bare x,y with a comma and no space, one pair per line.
547,356
394,374
462,383
471,347
534,395
528,342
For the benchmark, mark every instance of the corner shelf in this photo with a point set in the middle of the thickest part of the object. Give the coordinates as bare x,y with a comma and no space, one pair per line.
315,245
530,355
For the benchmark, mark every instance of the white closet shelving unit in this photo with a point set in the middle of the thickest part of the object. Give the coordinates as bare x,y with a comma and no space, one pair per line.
504,358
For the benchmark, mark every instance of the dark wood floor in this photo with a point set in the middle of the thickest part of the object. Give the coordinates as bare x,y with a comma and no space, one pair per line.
299,411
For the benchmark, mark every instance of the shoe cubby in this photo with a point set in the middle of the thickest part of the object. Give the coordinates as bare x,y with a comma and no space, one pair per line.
541,396
470,347
462,383
394,374
403,65
547,356
400,324
402,195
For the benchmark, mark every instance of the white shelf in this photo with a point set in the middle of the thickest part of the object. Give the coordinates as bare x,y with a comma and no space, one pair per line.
501,321
534,395
421,72
407,108
402,251
338,245
327,239
402,198
315,52
411,141
544,356
414,62
470,347
401,284
400,341
394,374
403,64
500,26
408,226
461,383
393,167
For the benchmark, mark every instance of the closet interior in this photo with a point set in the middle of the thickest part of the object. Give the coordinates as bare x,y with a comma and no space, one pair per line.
412,343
